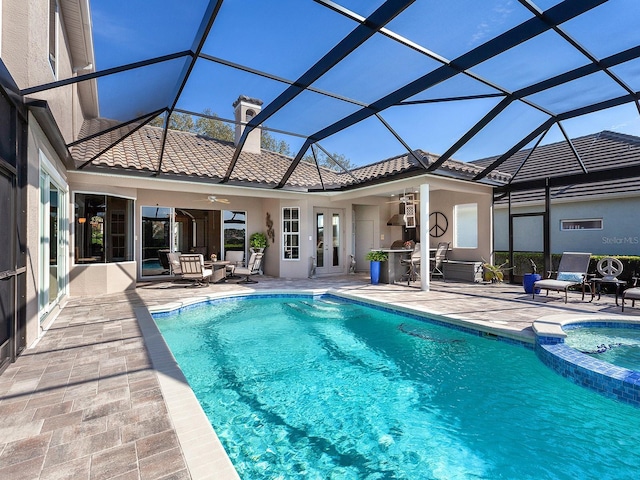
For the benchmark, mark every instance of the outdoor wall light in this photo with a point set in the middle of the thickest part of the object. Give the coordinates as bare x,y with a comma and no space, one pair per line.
82,220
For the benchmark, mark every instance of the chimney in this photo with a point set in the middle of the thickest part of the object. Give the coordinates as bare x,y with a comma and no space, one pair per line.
245,109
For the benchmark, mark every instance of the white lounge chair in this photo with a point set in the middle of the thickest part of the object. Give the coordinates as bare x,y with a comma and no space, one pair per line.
572,272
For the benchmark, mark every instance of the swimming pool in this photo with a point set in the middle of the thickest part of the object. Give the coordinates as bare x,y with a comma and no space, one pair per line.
322,388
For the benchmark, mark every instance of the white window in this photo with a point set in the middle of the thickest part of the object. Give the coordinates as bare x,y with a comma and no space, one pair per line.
53,36
103,228
291,233
465,218
583,224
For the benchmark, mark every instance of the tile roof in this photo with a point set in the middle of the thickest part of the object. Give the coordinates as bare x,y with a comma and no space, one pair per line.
191,155
598,152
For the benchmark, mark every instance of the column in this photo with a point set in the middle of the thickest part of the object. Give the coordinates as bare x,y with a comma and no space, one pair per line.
424,237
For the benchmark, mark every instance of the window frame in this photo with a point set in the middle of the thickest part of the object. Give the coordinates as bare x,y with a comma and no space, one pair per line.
288,233
53,37
460,225
108,234
224,228
577,221
49,176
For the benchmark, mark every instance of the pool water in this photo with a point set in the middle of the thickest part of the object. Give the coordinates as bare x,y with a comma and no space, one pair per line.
619,346
325,389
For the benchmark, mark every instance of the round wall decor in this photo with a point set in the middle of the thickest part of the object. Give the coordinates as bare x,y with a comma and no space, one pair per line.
438,224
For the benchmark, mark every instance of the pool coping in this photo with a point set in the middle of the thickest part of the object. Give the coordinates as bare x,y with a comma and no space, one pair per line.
523,336
605,378
204,454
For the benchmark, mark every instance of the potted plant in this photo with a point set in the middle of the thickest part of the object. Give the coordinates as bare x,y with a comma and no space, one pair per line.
530,278
494,273
258,242
375,257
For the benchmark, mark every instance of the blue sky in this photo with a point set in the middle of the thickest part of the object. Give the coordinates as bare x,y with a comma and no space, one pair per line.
284,38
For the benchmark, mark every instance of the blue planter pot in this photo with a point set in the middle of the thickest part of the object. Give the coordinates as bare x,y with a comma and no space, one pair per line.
528,281
375,272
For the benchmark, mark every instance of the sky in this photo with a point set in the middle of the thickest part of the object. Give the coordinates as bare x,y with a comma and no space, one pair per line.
284,38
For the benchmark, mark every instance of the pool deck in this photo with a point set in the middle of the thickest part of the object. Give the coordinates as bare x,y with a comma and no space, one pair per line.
99,397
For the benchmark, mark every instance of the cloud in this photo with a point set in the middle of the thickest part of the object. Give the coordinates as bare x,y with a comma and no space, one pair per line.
497,17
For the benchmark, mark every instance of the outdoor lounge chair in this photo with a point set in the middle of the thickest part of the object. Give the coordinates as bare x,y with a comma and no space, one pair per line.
192,266
252,268
572,272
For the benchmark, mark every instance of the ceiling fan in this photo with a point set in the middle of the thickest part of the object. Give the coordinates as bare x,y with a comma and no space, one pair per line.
404,198
214,199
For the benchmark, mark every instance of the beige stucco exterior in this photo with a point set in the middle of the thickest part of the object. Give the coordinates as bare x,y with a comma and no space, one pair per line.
25,55
353,206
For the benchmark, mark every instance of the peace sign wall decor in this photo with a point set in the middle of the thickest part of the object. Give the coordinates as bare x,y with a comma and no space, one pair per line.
438,224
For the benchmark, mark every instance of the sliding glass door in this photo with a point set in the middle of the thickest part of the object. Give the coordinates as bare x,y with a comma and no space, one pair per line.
169,229
157,223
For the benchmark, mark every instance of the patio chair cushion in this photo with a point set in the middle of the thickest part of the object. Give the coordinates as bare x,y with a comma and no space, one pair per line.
575,277
632,293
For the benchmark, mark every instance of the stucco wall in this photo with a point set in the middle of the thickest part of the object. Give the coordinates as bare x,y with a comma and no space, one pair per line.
271,259
445,201
25,52
619,236
101,278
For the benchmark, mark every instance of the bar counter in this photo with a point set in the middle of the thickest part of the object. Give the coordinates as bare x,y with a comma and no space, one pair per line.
392,270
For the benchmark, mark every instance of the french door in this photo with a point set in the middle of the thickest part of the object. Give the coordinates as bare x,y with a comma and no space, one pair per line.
329,240
53,241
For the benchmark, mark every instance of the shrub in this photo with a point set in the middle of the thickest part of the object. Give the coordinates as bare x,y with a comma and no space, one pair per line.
521,264
258,240
377,256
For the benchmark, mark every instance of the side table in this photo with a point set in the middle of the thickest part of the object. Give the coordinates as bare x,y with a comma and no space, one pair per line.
597,283
219,270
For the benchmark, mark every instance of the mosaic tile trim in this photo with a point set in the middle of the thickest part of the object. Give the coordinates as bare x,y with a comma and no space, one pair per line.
603,324
234,298
607,379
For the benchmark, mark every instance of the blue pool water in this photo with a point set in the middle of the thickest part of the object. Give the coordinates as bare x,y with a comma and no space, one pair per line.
322,389
617,345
